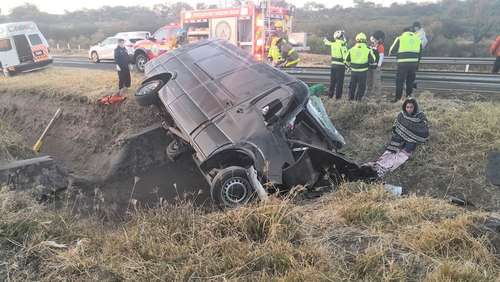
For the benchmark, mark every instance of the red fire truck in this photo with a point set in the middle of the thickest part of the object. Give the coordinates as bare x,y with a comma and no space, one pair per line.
248,26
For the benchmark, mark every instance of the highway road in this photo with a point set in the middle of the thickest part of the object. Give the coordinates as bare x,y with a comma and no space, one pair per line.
429,80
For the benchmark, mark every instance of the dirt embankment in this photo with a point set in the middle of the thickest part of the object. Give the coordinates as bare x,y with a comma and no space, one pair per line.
359,233
105,147
85,134
89,139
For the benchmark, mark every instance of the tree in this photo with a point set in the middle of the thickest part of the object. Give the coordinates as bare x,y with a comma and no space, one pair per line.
171,12
364,4
313,6
201,6
24,12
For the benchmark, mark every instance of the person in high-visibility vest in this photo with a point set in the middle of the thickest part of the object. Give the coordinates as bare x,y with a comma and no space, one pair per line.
339,53
409,49
273,53
359,58
279,30
282,54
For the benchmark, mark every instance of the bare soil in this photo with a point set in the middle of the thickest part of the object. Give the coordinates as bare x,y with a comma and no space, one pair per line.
102,147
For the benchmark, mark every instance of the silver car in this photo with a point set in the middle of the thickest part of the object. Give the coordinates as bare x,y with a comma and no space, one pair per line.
134,34
105,49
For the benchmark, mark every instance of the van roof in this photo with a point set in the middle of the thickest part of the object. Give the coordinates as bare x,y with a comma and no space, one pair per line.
15,28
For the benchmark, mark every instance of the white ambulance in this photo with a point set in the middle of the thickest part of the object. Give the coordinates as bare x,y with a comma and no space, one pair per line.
22,48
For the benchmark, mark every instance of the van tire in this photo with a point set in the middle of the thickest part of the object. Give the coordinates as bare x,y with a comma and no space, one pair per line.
95,57
232,179
150,98
175,149
140,61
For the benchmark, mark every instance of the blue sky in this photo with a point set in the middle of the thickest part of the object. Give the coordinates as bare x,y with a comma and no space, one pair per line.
59,6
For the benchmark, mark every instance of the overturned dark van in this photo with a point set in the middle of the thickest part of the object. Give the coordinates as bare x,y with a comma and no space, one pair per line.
250,127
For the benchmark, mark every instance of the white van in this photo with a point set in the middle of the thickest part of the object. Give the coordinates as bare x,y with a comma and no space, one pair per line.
22,48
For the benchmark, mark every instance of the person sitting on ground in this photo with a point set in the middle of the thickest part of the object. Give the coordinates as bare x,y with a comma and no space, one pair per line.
410,129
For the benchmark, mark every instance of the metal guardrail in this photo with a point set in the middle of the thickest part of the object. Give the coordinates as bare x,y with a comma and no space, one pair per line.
450,60
480,82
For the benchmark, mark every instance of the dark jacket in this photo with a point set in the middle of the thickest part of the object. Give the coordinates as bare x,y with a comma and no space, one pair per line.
122,58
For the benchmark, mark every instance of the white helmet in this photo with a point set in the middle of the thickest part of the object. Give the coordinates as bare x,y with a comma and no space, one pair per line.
339,34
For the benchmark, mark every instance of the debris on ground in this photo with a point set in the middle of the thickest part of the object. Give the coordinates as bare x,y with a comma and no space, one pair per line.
493,168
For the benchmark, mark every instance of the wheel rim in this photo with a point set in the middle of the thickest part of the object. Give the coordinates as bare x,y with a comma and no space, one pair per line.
235,191
148,88
141,62
94,57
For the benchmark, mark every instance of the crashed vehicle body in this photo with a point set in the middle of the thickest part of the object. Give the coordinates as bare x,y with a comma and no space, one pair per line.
250,126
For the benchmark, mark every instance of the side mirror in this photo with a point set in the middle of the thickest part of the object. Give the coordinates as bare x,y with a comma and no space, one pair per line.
270,110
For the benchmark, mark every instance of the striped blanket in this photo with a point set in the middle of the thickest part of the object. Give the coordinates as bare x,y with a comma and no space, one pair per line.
411,129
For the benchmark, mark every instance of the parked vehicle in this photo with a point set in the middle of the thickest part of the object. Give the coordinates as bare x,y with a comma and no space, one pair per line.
251,128
22,48
105,49
160,42
134,34
248,26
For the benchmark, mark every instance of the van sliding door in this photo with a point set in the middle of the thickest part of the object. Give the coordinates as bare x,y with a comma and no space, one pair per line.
23,48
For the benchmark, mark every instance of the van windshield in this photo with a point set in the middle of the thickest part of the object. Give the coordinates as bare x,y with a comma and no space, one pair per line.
5,45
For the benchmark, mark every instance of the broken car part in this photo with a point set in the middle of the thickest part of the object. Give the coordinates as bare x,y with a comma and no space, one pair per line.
236,114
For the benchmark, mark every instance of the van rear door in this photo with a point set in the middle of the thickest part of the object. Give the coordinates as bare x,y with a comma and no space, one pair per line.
23,48
8,55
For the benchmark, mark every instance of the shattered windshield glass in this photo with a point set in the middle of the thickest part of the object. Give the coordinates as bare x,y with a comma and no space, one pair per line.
317,109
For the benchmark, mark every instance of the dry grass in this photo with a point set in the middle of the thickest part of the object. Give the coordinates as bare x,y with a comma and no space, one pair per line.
11,145
359,234
453,161
71,83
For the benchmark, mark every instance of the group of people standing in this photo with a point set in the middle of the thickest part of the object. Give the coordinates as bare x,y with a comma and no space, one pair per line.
365,61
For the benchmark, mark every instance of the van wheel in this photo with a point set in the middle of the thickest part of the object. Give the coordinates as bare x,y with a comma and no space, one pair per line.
231,188
175,149
147,94
140,62
95,57
6,73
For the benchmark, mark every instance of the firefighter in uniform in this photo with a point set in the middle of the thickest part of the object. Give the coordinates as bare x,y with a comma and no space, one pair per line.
279,31
339,53
360,58
409,49
282,54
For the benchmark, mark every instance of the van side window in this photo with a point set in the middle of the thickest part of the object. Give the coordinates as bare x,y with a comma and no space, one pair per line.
5,45
35,39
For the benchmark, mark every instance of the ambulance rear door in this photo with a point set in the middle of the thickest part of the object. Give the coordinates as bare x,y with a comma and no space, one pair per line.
8,54
39,47
23,48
